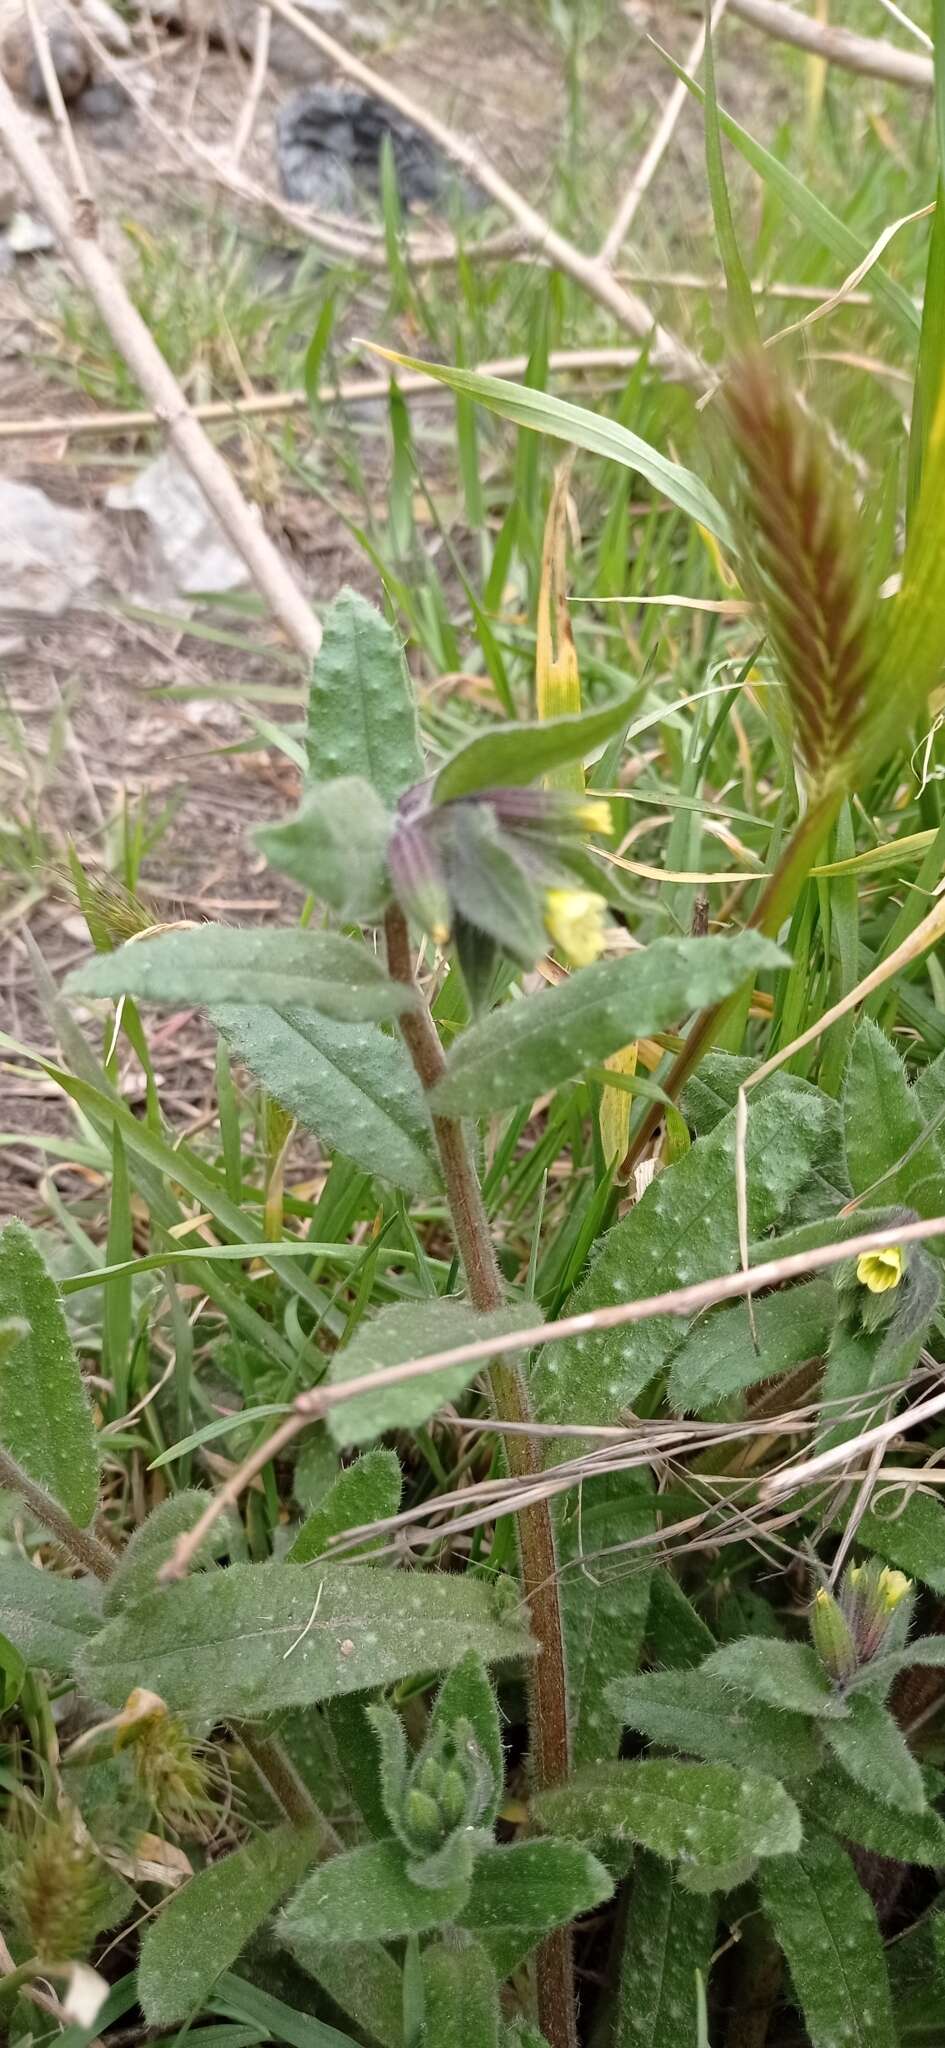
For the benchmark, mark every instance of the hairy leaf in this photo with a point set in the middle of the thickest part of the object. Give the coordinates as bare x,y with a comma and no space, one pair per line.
788,1675
260,1637
235,1996
336,846
47,1618
827,1928
367,1491
697,1714
45,1419
218,963
909,1535
525,1048
364,1895
349,1083
362,716
698,1813
872,1749
533,1885
669,1937
151,1545
203,1928
684,1229
461,1998
517,753
859,1816
396,1335
719,1357
884,1122
466,1694
605,1599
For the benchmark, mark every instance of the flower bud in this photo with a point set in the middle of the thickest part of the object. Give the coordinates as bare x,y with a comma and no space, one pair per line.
418,879
873,1603
832,1637
423,1819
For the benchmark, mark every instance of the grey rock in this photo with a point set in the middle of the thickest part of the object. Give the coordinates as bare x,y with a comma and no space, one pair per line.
328,145
189,551
103,102
49,553
28,236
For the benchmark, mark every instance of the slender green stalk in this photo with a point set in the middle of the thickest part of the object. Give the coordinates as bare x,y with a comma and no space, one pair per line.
550,1746
93,1556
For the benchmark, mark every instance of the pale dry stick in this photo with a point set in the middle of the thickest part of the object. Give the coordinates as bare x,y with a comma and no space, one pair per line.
136,345
907,22
691,281
839,1454
668,353
842,295
925,935
350,391
314,1404
868,55
867,1489
656,149
84,203
257,80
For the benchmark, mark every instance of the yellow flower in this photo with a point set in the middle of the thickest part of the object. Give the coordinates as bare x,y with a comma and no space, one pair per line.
596,815
575,920
893,1587
880,1270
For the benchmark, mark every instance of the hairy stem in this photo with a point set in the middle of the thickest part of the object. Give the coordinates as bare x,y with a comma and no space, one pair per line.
93,1556
776,904
278,1773
549,1698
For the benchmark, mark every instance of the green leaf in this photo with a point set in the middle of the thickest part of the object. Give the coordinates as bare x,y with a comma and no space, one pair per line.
545,414
407,1331
45,1419
788,1675
878,1675
670,1933
204,1927
12,1673
684,1229
676,1634
364,1895
719,1355
884,1122
741,320
259,1637
528,1047
533,1885
271,2016
466,1694
336,846
859,1816
151,1545
461,1998
827,1928
349,1083
519,753
695,1713
697,1813
605,1599
48,1619
871,1748
362,716
218,963
490,888
909,1535
367,1491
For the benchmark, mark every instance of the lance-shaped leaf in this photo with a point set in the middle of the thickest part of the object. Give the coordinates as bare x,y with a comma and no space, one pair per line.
669,1937
605,1598
362,715
48,1619
367,1491
873,1750
336,846
697,1813
45,1419
267,2016
349,1083
697,1714
890,1144
203,1929
398,1335
576,424
534,1886
136,1572
528,1047
518,753
722,1353
364,1895
461,1998
912,1539
860,1816
218,963
788,1675
877,1676
827,1928
259,1637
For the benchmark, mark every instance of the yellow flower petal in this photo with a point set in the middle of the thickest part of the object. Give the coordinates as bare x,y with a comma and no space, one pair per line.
880,1270
575,920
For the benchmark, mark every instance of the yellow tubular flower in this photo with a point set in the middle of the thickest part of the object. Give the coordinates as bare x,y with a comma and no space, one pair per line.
893,1587
880,1270
575,920
596,815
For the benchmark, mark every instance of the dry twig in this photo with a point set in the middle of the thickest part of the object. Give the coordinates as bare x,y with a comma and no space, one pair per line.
868,55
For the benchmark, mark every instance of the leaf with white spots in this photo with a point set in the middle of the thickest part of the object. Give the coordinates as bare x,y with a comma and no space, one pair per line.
203,1929
670,1933
219,963
605,1598
45,1417
699,1715
263,1636
364,1895
693,1813
872,1749
787,1675
684,1229
825,1923
362,714
404,1332
46,1617
349,1083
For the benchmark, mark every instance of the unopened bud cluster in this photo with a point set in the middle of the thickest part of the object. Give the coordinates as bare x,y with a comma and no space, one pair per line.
449,1789
870,1617
504,866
